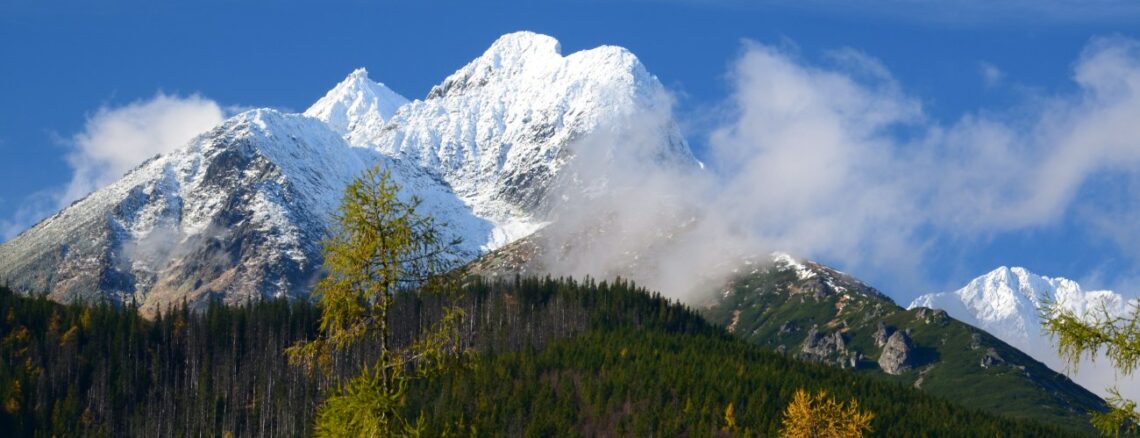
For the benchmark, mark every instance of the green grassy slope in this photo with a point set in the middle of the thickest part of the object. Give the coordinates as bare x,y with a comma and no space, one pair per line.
777,307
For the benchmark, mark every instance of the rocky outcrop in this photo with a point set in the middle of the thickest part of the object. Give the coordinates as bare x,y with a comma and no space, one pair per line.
816,288
991,358
819,344
829,348
896,357
882,334
930,316
975,341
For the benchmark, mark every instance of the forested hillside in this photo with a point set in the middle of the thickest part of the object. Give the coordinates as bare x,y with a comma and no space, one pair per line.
555,357
821,315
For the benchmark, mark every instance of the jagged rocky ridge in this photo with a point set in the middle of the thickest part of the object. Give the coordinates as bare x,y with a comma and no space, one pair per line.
239,212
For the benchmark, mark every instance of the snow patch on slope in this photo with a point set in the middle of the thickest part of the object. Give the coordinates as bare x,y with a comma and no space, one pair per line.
786,261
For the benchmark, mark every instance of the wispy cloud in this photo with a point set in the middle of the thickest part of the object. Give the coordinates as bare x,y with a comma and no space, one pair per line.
816,149
991,74
114,140
809,159
836,161
34,208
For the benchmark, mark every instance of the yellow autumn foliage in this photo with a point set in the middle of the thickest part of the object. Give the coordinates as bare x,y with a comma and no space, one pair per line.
822,416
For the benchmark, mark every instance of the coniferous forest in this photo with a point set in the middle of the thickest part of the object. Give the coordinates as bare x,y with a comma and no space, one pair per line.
552,357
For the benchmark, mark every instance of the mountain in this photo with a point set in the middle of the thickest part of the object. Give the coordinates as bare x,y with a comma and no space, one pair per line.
238,213
241,209
1005,303
500,129
818,314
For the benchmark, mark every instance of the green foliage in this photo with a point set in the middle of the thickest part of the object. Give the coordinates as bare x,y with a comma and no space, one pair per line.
642,382
776,309
1118,336
367,405
380,247
557,357
105,371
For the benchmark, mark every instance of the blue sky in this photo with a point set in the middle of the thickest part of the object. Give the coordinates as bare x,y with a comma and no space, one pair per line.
61,62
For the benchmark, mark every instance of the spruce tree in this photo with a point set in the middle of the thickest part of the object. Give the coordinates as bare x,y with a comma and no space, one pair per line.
380,247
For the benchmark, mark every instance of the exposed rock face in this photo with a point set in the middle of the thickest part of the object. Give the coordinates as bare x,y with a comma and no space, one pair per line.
882,334
828,348
896,357
929,316
788,327
816,288
819,344
991,358
975,341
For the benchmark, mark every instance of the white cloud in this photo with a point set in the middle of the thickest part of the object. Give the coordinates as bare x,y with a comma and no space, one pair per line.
991,74
34,208
114,140
816,153
809,159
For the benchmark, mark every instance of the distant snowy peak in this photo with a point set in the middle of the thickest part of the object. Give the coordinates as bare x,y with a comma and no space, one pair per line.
1005,302
357,104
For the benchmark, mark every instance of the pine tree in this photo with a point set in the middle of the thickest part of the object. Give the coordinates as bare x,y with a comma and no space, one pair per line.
380,247
821,416
1118,336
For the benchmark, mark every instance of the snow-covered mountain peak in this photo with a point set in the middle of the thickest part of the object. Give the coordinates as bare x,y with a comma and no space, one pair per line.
519,49
239,211
1006,302
357,103
500,128
527,59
